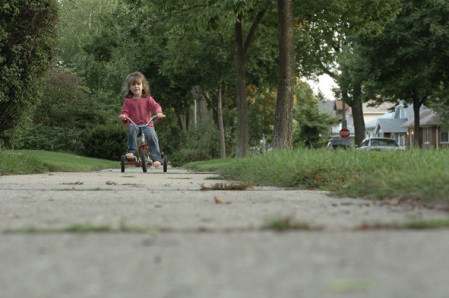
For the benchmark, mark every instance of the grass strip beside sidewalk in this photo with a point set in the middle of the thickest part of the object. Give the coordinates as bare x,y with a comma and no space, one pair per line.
418,176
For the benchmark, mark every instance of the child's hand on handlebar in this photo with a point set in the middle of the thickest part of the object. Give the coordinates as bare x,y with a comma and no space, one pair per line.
160,115
122,117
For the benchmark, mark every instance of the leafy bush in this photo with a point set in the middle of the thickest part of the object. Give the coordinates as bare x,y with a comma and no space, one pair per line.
105,141
62,115
27,43
40,137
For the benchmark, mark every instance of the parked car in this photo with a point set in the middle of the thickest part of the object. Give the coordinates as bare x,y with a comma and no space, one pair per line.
379,144
338,144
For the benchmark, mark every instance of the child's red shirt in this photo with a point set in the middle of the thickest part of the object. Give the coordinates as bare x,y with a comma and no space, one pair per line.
139,110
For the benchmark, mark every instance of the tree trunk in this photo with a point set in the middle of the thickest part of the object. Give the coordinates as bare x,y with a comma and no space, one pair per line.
240,89
416,112
283,124
182,122
241,51
357,114
220,123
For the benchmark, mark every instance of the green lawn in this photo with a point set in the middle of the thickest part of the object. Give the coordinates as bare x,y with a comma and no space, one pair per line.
37,161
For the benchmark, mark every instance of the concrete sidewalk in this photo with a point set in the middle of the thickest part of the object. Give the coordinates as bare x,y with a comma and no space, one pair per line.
194,247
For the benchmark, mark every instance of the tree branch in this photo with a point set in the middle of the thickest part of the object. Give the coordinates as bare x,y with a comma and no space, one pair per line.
209,102
252,31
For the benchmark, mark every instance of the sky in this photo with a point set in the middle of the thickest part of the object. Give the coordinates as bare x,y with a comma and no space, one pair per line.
325,84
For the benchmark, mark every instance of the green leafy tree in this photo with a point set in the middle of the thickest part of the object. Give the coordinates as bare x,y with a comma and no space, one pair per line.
323,31
405,59
350,81
89,46
27,46
311,127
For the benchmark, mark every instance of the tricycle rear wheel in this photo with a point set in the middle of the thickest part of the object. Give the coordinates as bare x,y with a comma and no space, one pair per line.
122,163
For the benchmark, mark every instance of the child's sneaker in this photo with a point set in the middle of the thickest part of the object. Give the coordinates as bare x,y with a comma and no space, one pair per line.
157,164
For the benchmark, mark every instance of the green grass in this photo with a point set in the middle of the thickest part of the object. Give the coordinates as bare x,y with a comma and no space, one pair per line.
209,165
286,223
84,229
438,223
19,162
419,175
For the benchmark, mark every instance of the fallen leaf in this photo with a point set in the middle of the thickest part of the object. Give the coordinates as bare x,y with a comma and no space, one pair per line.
111,183
223,186
218,201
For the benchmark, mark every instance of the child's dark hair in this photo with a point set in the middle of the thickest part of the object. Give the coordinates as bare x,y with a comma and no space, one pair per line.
136,76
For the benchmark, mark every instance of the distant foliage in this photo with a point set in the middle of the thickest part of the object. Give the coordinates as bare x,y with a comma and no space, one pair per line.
66,110
40,137
200,143
261,110
27,43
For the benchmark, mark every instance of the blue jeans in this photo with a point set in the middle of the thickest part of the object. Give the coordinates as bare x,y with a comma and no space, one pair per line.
151,136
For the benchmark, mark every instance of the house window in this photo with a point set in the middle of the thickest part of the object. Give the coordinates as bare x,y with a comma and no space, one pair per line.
427,135
444,137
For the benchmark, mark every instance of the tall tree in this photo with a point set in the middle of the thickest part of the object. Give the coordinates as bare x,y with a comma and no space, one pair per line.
283,133
241,53
405,59
350,82
324,28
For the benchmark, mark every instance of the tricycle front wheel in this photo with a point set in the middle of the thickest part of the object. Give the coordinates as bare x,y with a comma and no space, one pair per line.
165,163
143,160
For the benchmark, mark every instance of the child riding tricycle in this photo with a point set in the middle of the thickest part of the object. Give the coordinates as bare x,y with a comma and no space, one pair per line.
136,111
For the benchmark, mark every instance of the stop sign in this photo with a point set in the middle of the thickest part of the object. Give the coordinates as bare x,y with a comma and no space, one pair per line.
344,133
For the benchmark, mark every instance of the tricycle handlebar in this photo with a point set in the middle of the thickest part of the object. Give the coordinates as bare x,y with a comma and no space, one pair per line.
143,125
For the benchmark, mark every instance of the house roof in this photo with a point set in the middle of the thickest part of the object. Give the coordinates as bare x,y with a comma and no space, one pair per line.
339,106
373,123
409,111
391,125
427,118
383,108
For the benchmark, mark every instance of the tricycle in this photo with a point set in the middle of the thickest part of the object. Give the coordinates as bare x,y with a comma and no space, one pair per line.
142,158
